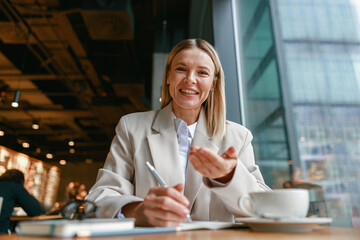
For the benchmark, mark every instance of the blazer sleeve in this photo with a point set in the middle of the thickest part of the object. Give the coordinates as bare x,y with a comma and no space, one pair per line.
247,178
114,185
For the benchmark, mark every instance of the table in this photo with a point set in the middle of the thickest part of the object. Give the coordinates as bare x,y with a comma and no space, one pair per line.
41,217
321,233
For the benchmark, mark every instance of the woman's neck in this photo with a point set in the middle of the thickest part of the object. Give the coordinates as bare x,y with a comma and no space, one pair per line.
189,116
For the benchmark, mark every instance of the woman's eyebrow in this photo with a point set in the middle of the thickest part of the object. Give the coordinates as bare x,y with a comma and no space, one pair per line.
205,67
201,66
180,63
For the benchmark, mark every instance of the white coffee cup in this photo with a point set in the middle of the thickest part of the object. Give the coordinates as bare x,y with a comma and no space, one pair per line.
278,204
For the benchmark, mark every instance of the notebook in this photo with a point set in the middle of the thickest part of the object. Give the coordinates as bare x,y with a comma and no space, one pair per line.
194,225
71,228
211,225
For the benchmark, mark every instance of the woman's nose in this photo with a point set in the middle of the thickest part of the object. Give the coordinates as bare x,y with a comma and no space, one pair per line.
190,77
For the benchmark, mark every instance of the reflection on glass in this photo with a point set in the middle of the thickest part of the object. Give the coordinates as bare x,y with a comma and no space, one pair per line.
264,110
319,44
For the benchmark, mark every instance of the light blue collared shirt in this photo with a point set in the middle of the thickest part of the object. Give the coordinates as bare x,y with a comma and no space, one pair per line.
185,135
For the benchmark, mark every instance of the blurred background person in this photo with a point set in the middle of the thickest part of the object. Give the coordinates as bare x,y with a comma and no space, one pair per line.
75,191
13,194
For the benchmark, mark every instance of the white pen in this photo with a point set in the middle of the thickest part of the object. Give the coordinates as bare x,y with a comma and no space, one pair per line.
162,182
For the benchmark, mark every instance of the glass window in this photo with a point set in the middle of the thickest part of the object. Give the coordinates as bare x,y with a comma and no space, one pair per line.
319,44
321,52
264,111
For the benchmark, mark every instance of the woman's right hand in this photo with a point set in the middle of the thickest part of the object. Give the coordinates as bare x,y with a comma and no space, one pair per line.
162,207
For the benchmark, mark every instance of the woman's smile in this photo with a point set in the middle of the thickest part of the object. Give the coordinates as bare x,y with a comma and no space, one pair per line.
188,91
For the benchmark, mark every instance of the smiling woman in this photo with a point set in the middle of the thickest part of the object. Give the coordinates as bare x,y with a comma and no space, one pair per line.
208,162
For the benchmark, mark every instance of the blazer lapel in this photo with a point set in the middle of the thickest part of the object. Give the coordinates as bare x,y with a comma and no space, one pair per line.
164,147
193,178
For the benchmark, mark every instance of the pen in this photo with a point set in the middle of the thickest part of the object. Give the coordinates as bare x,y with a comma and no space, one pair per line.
162,182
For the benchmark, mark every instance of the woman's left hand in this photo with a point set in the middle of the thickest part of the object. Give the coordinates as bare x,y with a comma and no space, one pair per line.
209,164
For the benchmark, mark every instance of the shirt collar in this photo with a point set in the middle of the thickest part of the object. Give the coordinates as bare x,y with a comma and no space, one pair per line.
179,122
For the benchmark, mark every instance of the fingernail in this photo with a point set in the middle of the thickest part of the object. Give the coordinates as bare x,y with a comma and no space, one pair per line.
186,211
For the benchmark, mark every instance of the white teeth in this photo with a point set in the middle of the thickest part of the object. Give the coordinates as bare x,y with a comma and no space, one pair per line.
187,91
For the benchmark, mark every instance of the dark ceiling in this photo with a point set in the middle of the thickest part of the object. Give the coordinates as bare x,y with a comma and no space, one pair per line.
79,66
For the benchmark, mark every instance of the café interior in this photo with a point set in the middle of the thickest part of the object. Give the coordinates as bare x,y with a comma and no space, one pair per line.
75,68
70,69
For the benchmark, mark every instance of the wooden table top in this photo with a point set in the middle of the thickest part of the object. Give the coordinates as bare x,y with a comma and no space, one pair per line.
41,217
321,233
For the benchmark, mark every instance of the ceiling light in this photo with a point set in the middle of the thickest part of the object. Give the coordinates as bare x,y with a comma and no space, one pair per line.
38,150
15,103
71,143
89,161
35,125
71,150
2,133
62,162
26,145
49,156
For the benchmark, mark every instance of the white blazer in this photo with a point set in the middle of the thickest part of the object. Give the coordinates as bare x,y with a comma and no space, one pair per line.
151,136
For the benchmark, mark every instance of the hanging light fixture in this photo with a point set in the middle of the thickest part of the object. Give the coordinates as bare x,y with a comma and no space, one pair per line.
25,145
2,133
62,162
15,103
71,143
35,125
28,33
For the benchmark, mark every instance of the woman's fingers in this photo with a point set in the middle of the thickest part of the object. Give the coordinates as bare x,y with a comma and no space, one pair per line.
162,217
208,157
230,153
175,193
165,206
210,164
201,165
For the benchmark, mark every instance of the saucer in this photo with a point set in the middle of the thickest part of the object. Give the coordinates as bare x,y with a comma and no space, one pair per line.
284,225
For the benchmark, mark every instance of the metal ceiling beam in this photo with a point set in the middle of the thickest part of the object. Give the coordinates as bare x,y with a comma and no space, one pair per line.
77,47
21,23
36,91
52,132
16,77
50,113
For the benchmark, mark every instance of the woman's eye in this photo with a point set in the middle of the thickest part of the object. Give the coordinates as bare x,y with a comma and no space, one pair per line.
180,69
203,73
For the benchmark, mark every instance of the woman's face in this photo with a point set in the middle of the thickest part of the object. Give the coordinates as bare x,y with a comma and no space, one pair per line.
191,77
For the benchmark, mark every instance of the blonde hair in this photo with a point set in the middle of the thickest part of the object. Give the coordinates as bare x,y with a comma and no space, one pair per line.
214,105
